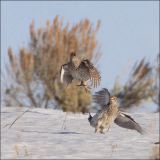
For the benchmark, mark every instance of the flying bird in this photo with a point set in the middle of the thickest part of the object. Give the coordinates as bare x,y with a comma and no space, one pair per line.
81,70
110,113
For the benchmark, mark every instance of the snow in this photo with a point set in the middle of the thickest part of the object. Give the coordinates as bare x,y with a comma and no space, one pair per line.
39,134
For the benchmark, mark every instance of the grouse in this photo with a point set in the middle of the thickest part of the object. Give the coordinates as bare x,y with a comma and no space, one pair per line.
110,113
81,70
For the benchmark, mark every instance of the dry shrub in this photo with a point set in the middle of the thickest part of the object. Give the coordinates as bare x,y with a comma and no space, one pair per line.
139,86
34,71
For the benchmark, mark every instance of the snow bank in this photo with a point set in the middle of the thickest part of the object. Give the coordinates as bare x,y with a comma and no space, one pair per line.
39,134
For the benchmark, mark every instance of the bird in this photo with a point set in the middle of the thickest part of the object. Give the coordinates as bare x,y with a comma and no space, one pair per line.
110,113
81,70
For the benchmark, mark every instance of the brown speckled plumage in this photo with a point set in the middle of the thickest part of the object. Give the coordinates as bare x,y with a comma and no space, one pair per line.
81,70
110,113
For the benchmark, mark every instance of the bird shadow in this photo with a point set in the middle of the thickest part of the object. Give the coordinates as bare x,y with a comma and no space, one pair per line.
60,132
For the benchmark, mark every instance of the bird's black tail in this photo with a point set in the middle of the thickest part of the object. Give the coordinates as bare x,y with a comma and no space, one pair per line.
90,117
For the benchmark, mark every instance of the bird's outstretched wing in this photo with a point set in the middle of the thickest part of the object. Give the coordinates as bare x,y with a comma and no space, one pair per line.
65,76
93,72
126,121
102,97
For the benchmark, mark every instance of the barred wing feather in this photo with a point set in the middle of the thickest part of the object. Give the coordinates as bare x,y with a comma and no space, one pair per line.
93,72
102,97
126,121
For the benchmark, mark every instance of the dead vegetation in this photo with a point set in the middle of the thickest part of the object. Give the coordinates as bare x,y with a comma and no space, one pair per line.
141,85
31,78
34,70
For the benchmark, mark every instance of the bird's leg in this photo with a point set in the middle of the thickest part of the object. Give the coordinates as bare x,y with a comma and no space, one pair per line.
102,130
84,85
96,130
86,89
81,84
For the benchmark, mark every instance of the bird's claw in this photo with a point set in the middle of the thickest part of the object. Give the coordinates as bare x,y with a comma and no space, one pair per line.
85,87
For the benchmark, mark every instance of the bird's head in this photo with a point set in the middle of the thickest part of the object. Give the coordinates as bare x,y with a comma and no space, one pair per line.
113,99
90,117
73,54
75,60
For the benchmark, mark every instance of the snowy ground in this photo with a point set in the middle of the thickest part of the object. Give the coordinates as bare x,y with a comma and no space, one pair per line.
39,135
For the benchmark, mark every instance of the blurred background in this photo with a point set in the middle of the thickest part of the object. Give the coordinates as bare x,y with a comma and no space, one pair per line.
120,38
